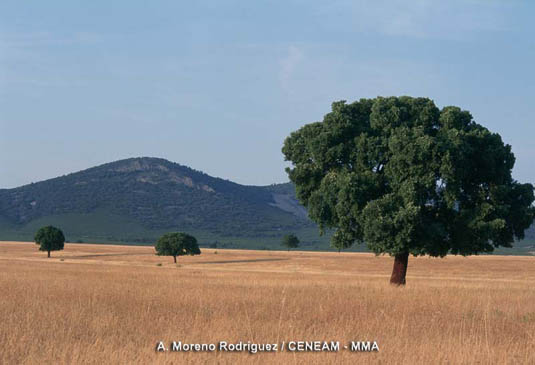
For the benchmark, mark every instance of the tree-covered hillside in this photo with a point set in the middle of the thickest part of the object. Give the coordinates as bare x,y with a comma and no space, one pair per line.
156,194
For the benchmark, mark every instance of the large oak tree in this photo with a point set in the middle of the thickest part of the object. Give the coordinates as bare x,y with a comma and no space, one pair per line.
406,178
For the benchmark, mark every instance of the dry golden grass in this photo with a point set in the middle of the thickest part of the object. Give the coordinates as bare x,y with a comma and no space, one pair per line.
112,304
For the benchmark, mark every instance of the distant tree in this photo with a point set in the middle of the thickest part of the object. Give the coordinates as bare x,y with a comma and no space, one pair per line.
49,238
340,245
177,244
406,178
290,241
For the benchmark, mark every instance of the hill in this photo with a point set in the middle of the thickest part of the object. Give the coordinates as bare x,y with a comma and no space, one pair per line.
136,199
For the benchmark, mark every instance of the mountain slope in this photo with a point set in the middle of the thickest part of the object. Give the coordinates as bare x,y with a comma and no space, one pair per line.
158,195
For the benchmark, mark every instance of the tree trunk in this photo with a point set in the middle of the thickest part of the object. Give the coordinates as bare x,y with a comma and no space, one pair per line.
400,269
48,253
174,258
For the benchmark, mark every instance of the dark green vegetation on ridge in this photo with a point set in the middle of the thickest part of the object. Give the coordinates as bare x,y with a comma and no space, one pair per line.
155,193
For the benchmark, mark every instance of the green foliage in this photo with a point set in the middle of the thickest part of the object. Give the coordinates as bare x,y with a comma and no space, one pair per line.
177,244
290,241
404,176
49,238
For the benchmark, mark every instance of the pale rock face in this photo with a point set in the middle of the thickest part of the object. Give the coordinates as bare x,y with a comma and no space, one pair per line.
208,189
155,173
129,167
288,204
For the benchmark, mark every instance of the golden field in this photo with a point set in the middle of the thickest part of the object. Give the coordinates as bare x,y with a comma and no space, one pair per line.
112,304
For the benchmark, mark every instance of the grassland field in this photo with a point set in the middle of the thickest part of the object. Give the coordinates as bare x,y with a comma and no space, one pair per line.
112,304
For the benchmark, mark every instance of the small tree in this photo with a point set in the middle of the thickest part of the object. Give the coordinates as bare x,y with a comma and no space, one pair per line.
290,241
177,244
50,239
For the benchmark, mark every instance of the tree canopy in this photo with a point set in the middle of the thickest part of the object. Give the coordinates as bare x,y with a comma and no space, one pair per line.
407,177
177,244
49,238
290,241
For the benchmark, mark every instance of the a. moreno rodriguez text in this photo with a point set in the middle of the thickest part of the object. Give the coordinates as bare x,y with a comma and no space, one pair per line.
254,348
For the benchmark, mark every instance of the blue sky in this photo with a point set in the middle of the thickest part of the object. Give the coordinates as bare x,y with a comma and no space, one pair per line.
218,85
